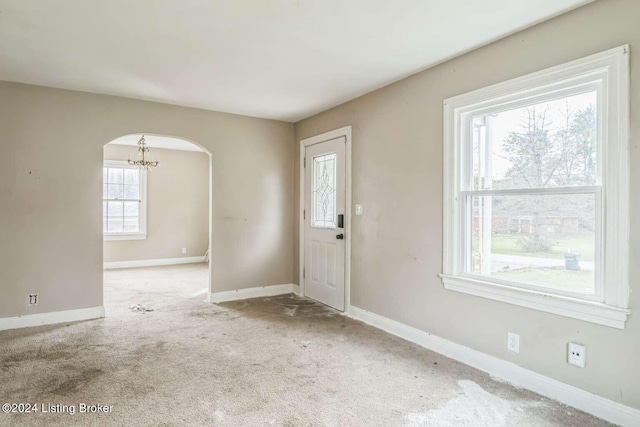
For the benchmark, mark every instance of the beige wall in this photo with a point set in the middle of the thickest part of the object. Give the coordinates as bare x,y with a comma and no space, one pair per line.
51,154
397,176
177,207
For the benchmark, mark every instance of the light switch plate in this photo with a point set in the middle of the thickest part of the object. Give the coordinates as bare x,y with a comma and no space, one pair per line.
513,342
359,210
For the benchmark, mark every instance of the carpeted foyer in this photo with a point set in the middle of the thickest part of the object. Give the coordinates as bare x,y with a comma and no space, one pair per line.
282,361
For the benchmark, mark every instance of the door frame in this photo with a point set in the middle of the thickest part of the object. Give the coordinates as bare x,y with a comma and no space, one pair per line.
328,136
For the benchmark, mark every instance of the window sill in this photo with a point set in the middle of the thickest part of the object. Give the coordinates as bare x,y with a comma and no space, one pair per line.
136,236
588,311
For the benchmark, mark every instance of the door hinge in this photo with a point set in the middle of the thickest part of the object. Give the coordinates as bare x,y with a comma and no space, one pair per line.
304,272
304,214
305,162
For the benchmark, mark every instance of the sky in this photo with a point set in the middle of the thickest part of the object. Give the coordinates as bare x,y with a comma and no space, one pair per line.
509,121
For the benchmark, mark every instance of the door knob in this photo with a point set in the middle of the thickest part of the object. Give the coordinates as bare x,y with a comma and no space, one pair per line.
340,236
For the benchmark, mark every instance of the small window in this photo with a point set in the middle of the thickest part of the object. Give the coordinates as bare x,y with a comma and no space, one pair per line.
324,191
536,190
123,201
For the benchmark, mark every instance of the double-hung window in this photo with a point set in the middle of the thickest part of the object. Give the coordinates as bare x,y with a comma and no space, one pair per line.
123,201
536,204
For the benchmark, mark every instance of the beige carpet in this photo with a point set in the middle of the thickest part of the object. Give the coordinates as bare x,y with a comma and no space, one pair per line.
283,361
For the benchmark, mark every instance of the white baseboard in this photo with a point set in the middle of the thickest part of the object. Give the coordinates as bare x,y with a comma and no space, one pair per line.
261,291
601,407
51,318
153,262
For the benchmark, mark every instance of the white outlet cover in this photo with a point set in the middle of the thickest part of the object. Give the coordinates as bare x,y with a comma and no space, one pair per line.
576,354
513,342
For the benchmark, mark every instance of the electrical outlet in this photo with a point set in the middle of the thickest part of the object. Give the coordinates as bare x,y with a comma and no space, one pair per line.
513,342
33,300
184,251
576,354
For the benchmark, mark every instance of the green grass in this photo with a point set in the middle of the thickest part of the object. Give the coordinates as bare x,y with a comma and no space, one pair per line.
582,244
577,281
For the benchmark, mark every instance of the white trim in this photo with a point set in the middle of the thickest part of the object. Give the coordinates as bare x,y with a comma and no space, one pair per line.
51,318
348,231
257,292
117,164
524,191
207,255
610,71
153,262
203,291
589,311
123,236
161,142
593,404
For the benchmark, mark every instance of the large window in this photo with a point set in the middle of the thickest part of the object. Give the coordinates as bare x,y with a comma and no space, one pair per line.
536,190
124,201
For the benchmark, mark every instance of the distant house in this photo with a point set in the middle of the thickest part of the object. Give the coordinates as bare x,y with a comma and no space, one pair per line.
528,224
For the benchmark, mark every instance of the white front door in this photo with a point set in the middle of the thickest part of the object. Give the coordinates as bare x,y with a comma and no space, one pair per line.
324,232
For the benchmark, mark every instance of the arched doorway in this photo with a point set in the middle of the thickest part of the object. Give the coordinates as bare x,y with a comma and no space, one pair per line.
156,222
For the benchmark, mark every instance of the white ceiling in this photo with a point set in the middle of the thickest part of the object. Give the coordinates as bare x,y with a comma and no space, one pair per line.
154,141
278,59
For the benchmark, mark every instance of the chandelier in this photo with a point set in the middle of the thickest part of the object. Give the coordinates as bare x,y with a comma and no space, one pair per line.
140,160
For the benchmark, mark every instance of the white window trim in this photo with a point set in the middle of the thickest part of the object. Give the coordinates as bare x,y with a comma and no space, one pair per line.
613,310
142,235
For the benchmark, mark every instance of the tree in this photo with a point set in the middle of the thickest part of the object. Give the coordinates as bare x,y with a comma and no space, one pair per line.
550,150
531,153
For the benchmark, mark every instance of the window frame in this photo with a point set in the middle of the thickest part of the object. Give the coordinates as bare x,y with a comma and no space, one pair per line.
142,234
609,73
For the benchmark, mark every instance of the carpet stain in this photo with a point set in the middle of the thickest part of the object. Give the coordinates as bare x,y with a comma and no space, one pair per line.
474,407
291,311
218,415
218,315
40,354
290,305
77,381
